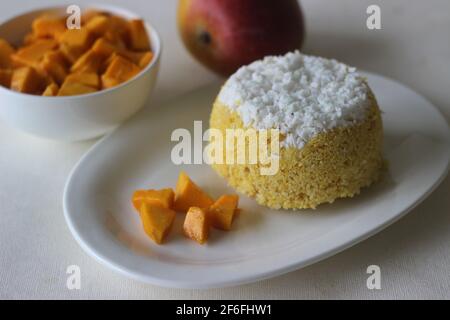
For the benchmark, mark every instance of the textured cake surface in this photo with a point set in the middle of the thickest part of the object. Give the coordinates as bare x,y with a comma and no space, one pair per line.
330,130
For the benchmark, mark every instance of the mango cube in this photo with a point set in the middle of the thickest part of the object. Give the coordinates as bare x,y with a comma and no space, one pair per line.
90,79
188,194
88,62
139,58
70,53
133,56
118,71
49,26
51,90
116,39
103,47
222,211
6,50
29,39
54,64
157,221
5,77
119,26
163,198
78,38
145,59
90,14
106,63
26,80
32,55
196,225
69,88
98,24
139,39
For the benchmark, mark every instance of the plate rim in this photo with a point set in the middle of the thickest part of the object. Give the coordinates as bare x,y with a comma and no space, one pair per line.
238,280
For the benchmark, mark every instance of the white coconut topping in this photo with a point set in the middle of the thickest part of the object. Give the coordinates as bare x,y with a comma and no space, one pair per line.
298,94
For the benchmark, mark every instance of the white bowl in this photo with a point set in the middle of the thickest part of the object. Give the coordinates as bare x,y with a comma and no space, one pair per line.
81,117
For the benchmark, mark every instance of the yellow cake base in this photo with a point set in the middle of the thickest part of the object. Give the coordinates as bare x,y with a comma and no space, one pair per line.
334,164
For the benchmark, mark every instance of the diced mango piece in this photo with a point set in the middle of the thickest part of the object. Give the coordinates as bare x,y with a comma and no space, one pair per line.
139,39
163,197
29,39
69,88
120,27
139,58
222,211
107,62
138,197
89,14
188,194
80,39
104,48
56,56
196,225
98,24
133,56
6,50
88,62
116,39
5,77
55,65
118,71
157,221
27,80
146,59
49,26
34,53
70,53
51,90
90,79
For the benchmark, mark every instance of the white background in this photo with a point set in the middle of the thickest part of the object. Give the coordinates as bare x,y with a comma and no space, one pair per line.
414,254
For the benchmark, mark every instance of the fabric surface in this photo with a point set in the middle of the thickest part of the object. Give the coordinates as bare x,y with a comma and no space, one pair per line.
36,246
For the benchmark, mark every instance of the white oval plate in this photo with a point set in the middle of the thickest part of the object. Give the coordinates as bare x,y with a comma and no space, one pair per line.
263,243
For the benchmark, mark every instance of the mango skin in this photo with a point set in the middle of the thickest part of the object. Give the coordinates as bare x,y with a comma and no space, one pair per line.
225,35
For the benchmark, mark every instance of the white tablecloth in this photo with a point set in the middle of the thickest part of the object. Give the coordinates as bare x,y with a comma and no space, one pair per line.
414,254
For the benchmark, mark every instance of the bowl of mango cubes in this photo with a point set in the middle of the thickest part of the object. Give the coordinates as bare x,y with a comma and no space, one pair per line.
71,82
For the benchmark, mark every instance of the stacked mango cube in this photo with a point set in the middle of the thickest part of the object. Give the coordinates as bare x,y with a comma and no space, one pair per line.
104,52
157,209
